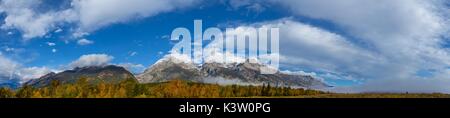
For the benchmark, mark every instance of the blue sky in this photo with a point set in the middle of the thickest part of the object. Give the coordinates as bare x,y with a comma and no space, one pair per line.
353,44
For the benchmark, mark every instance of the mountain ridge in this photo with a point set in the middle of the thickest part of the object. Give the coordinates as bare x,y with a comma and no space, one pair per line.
173,67
176,67
94,74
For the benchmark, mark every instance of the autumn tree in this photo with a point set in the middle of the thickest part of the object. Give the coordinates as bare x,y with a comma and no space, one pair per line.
25,92
6,93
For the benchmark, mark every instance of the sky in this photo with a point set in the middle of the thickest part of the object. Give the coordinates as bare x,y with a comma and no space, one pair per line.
355,45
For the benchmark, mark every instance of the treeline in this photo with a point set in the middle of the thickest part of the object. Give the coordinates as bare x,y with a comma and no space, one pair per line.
132,89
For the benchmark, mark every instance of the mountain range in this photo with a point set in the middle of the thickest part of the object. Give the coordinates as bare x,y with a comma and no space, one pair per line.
244,73
169,68
93,74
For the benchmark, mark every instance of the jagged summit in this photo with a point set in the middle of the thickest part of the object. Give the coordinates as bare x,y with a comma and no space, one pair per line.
245,72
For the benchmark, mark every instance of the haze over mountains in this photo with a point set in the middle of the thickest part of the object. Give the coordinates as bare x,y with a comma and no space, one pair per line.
10,82
170,67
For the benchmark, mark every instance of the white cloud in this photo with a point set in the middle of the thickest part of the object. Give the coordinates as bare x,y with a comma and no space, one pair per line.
133,53
317,49
21,15
309,47
97,13
50,43
79,34
213,52
84,42
7,67
303,73
405,32
235,4
177,58
165,37
88,15
54,50
91,60
11,70
9,49
29,73
299,73
253,5
58,30
134,68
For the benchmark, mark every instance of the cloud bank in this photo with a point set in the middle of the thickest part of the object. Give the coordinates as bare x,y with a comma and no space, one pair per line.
11,71
87,15
91,60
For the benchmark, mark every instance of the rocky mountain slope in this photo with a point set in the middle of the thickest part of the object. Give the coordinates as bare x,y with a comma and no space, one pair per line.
245,73
93,74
